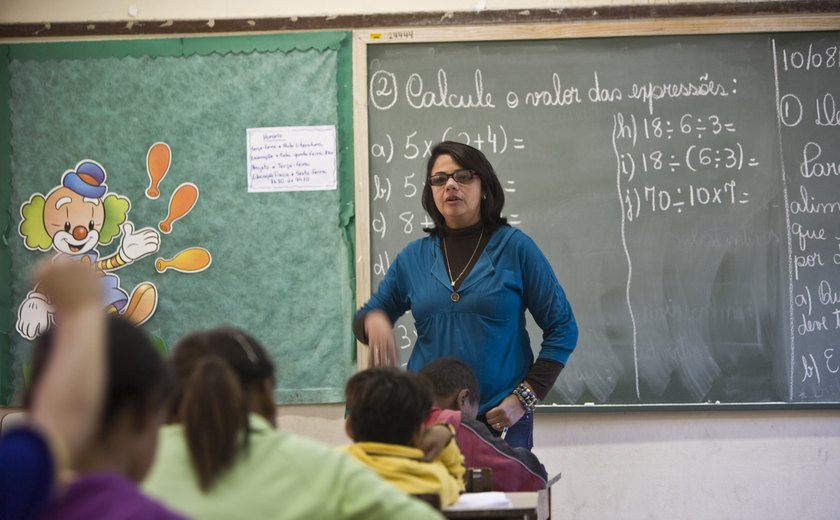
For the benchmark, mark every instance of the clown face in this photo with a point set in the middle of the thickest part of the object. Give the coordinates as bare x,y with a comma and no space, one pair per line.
73,221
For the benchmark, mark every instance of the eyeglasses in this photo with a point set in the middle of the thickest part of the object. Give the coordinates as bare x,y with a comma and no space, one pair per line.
460,176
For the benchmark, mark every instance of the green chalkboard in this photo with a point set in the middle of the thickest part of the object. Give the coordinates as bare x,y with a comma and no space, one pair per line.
281,261
686,190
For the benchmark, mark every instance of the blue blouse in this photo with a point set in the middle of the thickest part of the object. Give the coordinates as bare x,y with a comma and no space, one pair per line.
486,328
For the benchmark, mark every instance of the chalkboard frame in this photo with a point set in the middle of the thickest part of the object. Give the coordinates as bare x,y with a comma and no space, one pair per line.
644,27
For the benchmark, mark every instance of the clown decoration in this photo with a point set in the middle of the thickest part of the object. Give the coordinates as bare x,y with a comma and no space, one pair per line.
74,219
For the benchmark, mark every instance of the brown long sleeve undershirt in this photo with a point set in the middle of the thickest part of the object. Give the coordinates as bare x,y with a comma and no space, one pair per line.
542,375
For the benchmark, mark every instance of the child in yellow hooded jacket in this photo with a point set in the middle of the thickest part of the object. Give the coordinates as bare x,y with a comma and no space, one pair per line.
386,412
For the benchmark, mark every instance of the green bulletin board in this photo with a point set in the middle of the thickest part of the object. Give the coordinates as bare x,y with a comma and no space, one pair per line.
282,262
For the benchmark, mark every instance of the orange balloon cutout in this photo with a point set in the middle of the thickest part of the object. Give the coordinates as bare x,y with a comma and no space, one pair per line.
158,160
190,260
182,201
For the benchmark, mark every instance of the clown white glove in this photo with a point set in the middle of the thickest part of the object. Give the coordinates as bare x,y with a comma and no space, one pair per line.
34,316
136,245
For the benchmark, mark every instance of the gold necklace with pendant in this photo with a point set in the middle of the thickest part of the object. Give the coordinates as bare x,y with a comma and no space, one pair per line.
455,296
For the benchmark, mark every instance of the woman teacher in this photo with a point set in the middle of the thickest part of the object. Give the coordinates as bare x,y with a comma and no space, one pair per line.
468,285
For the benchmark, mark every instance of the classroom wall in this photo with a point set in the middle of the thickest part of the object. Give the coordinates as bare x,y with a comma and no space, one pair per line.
758,465
670,465
686,465
36,11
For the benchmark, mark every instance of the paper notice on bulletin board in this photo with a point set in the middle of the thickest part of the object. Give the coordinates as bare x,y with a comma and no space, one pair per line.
291,158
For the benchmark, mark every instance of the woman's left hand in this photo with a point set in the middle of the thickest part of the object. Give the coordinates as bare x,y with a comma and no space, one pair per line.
506,414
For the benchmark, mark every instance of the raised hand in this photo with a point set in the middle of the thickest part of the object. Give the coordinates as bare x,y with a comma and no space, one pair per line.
62,286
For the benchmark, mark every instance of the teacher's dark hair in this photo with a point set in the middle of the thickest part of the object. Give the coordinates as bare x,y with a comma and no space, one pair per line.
493,196
220,377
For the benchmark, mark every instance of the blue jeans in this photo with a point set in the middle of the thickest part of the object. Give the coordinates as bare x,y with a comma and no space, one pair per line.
520,435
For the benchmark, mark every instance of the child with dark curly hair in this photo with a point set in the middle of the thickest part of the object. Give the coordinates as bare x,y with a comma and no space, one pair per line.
386,412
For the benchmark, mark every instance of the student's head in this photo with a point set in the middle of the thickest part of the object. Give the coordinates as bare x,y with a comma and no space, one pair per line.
221,376
454,385
454,201
138,387
387,405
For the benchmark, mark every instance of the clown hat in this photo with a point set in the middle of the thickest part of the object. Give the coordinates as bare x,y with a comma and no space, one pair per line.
87,180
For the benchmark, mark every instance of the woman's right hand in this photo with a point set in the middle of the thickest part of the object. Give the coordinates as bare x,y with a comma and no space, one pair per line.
382,351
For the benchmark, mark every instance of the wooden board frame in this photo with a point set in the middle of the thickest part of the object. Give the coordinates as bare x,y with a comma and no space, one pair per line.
470,17
647,27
